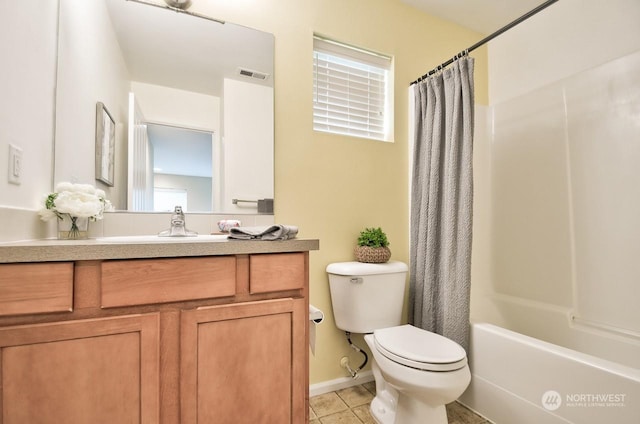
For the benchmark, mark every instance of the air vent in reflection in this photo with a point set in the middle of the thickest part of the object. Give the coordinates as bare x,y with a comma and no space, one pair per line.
252,74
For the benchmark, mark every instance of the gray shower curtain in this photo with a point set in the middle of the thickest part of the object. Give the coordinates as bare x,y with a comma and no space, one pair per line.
442,201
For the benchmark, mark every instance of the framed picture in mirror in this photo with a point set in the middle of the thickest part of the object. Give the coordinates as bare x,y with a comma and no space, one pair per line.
105,144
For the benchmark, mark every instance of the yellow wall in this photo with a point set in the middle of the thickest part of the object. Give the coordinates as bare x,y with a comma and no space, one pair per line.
334,186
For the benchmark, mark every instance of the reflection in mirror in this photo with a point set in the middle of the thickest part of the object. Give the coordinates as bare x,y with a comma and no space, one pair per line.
157,69
181,168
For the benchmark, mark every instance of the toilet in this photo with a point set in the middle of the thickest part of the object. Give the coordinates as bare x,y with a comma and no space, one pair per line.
417,372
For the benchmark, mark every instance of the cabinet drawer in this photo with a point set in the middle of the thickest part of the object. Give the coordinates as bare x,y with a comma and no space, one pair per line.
147,281
276,272
36,288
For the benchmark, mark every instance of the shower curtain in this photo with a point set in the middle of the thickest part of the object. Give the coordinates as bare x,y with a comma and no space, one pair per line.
441,202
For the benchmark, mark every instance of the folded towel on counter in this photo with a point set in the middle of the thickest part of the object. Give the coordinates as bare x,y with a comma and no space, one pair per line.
273,232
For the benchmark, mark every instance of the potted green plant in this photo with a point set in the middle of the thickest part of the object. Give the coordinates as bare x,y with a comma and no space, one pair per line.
373,246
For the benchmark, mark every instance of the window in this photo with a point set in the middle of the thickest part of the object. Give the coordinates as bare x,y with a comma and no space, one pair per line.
351,91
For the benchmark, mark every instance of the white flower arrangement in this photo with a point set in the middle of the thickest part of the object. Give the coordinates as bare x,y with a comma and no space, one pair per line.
76,201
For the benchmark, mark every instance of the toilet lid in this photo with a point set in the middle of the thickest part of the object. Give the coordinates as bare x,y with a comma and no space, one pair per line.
421,349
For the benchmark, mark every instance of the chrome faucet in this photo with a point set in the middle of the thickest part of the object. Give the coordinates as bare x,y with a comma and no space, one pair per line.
178,228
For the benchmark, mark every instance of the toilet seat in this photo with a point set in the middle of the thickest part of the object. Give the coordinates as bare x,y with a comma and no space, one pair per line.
419,349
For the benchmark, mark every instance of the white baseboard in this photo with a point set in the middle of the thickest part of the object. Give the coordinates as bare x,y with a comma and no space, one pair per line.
339,383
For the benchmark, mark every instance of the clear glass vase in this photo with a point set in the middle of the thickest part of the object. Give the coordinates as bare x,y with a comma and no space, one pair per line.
73,228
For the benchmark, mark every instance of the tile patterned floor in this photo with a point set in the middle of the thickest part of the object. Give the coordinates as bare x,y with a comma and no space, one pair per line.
351,406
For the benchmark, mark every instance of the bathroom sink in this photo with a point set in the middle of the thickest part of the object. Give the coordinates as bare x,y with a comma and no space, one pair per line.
200,238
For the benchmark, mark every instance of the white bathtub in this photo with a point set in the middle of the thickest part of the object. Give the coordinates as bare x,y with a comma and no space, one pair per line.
517,379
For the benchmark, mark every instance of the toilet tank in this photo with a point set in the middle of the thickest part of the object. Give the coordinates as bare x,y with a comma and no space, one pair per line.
367,296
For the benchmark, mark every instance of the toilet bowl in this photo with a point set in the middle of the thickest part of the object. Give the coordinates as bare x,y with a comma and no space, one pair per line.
417,372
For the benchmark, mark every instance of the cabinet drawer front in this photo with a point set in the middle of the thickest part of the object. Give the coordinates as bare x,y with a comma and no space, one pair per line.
276,272
36,288
147,281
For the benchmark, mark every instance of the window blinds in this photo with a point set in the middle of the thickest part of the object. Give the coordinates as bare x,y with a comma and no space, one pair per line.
350,90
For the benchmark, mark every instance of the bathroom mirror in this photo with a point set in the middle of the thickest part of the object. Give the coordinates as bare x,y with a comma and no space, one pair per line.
168,79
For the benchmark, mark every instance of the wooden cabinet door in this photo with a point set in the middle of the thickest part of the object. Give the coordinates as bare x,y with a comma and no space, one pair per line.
76,372
244,363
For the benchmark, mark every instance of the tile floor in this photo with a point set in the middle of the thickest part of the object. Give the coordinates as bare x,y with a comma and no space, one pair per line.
351,406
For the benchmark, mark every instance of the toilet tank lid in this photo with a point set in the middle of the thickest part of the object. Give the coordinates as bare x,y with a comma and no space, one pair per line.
362,268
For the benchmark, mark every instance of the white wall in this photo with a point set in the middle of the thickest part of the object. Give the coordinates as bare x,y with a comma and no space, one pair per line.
247,144
198,189
565,98
91,69
27,87
196,110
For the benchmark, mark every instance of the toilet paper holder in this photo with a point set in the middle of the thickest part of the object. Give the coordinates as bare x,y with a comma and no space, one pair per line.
316,316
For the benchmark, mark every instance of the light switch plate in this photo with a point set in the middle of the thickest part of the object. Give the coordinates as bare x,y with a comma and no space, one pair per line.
15,164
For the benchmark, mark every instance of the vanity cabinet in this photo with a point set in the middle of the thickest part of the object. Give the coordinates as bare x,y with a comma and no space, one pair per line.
207,339
102,370
238,363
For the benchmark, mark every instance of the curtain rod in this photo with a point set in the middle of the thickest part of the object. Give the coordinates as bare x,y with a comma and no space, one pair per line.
488,38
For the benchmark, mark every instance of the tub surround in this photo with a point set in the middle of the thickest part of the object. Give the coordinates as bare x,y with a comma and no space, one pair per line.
170,332
555,251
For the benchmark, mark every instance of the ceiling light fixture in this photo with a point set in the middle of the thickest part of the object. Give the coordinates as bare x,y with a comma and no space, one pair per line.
179,4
